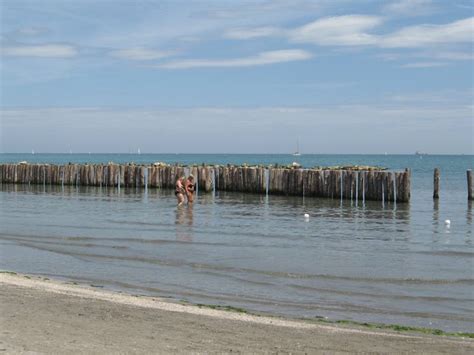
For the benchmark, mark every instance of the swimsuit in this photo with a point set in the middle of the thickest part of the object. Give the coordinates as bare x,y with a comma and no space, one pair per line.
179,190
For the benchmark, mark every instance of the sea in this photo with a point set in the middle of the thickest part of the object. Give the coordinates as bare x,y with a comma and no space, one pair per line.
391,263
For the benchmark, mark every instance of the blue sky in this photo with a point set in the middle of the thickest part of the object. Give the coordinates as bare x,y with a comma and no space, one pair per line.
342,76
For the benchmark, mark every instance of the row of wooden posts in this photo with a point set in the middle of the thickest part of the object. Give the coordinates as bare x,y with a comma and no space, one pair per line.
344,184
436,180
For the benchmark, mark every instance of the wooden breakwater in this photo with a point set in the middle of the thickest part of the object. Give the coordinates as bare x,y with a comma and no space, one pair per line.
349,184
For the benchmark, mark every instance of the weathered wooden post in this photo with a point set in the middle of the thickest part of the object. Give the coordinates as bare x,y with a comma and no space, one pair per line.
436,183
469,185
406,186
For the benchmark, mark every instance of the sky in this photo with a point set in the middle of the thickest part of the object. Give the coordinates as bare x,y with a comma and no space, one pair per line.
338,76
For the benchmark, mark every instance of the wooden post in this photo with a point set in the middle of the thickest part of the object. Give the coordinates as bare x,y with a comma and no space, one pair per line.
436,183
405,193
469,185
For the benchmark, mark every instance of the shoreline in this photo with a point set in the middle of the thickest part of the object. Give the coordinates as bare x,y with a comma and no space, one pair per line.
82,287
49,301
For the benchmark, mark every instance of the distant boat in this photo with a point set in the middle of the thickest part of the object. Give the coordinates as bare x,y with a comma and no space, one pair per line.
32,151
138,152
420,153
297,153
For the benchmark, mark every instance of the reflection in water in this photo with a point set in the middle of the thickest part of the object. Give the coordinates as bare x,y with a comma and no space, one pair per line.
435,219
184,223
469,221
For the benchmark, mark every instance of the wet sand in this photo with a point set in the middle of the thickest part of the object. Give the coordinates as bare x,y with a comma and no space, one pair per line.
46,316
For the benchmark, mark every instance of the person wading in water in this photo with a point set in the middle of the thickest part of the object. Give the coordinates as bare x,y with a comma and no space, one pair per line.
180,190
190,187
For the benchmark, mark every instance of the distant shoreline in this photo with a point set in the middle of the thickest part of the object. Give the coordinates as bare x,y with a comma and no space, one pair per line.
233,154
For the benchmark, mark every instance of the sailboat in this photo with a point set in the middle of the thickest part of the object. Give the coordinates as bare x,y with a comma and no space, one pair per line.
297,153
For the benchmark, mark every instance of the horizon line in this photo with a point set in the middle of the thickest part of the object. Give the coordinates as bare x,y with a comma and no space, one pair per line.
186,153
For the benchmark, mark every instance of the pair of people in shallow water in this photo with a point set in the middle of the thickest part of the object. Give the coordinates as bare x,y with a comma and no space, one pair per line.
185,188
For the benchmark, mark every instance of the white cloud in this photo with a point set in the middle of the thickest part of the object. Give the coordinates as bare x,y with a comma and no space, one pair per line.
436,98
349,30
424,65
455,55
461,31
245,130
431,55
140,53
410,7
44,51
262,58
32,31
249,33
353,30
164,24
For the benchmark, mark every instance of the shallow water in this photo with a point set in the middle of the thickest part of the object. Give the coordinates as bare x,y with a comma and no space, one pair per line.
367,262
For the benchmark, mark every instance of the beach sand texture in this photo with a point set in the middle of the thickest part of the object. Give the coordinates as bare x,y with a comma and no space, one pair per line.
47,316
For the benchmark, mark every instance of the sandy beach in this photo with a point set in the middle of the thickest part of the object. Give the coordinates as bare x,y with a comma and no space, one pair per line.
40,315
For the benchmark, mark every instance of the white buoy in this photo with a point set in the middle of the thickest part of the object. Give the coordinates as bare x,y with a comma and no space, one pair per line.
447,222
306,216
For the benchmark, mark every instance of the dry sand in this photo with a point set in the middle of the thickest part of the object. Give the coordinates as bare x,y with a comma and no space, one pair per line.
45,316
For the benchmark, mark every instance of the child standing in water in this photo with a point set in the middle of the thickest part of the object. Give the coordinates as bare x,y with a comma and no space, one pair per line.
180,190
190,188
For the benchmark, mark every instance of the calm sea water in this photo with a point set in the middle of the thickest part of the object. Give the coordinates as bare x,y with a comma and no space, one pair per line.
366,262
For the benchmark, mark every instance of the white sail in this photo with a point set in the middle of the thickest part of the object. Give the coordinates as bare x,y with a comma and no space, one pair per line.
297,152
